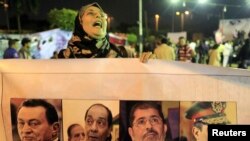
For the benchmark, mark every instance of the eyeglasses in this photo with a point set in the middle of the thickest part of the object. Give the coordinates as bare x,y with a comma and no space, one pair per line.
155,120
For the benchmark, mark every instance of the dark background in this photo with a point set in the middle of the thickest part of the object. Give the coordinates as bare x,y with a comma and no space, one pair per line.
203,18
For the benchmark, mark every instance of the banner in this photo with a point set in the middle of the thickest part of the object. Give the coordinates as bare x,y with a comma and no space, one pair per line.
75,87
43,44
231,27
174,36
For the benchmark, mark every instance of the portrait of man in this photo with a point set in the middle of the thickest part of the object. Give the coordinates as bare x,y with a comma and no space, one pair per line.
164,113
37,120
202,114
75,132
98,123
147,122
99,118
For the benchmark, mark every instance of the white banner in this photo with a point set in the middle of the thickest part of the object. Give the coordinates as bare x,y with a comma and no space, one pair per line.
230,27
112,80
174,36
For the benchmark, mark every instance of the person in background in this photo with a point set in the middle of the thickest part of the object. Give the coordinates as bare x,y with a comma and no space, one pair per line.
202,51
244,54
24,52
55,55
131,47
75,132
185,53
215,54
149,44
36,52
228,50
163,51
11,51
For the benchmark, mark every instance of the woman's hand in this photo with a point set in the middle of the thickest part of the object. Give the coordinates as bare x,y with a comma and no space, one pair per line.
145,56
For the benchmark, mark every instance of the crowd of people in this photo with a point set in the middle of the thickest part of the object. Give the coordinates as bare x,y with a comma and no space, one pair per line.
89,40
208,51
226,54
13,52
203,52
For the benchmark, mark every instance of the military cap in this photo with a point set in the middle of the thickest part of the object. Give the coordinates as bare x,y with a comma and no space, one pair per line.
208,113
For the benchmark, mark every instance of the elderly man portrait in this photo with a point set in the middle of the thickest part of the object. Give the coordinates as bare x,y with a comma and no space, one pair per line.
37,120
98,123
75,132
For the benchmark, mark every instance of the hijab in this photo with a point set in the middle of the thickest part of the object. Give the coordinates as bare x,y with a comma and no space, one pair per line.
83,46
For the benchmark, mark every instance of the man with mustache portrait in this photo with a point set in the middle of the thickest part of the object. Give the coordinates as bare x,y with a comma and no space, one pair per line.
147,122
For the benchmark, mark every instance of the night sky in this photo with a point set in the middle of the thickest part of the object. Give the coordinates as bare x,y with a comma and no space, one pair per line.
126,11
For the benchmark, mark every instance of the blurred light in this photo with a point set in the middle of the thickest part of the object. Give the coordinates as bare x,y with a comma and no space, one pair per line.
157,16
177,13
225,9
248,2
174,1
184,4
186,12
202,1
5,5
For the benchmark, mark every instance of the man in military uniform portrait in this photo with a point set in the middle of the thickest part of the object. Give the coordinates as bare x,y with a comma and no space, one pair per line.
202,114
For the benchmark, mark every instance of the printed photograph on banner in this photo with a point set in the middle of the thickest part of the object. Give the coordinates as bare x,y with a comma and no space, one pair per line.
149,120
90,120
196,116
36,119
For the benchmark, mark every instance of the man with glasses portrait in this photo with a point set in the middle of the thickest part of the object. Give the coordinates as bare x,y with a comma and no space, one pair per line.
147,122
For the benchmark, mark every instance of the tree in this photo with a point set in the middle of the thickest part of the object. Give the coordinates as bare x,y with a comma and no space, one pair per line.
21,7
63,18
132,38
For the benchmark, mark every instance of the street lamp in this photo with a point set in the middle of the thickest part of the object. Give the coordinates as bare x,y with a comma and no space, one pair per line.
186,12
157,22
140,28
182,14
109,20
224,12
173,3
6,6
